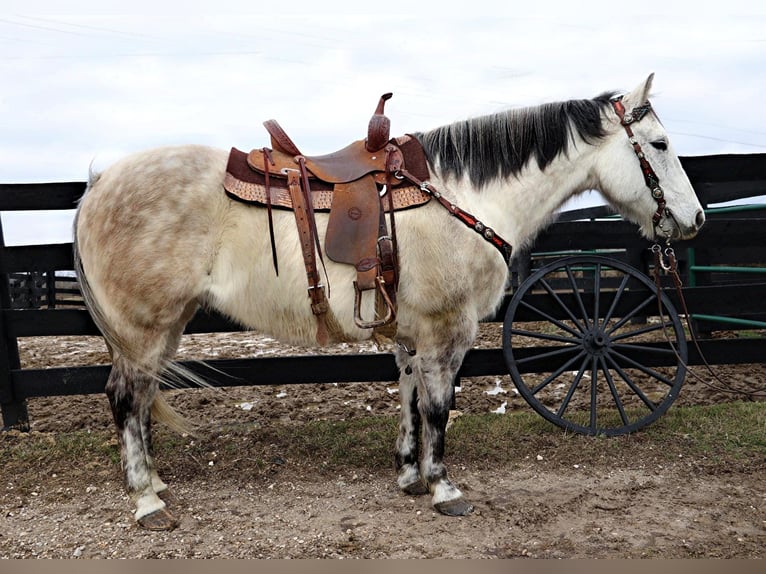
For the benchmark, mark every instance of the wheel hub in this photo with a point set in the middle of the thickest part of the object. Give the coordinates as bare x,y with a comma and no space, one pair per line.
596,341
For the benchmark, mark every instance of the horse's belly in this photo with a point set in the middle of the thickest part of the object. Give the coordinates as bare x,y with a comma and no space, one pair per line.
244,284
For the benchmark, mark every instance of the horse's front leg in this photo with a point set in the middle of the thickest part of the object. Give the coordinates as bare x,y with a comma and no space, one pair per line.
437,376
426,386
408,441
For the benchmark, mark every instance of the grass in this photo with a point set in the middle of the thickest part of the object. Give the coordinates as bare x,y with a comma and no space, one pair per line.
730,429
716,437
733,432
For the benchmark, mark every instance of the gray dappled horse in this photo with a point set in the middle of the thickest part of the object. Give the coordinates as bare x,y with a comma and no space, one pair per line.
156,238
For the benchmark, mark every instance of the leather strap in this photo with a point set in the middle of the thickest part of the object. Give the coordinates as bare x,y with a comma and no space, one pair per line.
309,205
487,233
650,177
389,258
304,218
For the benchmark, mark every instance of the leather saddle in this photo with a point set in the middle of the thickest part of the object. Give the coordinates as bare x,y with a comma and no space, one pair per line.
358,185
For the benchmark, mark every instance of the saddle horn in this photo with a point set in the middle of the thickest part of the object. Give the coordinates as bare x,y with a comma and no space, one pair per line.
380,126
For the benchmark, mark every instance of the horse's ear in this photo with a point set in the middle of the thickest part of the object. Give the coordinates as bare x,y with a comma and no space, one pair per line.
640,95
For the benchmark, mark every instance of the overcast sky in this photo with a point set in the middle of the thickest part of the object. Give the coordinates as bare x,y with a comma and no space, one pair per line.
81,84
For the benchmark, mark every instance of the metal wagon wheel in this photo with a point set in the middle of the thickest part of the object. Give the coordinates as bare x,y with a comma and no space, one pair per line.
606,360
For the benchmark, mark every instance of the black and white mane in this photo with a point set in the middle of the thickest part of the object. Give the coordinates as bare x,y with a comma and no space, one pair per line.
500,145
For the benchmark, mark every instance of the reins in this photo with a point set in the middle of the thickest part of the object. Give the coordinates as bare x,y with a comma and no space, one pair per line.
665,261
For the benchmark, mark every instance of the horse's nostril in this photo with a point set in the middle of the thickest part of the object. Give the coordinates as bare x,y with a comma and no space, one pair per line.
699,220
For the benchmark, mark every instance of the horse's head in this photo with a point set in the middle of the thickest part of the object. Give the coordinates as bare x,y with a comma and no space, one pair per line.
641,174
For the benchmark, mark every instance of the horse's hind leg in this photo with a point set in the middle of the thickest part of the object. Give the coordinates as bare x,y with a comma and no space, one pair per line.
164,412
131,393
158,485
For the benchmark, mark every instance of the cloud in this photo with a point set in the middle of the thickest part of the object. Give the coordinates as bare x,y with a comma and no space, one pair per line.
80,83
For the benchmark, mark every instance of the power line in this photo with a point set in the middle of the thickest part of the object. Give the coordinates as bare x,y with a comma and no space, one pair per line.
721,126
713,138
86,27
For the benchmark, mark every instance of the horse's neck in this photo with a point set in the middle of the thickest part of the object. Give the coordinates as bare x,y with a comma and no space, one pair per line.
519,207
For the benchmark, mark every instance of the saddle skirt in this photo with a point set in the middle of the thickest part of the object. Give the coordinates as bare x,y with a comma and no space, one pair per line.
245,179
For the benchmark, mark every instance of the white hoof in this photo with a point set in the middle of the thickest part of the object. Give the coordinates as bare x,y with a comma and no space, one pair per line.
448,499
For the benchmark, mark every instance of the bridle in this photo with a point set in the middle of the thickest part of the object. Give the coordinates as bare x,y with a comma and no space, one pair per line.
650,177
665,260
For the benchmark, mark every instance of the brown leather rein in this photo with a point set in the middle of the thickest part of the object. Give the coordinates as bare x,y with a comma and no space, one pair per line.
665,262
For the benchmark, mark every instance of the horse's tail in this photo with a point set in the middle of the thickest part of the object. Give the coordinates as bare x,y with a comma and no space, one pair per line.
163,412
113,340
172,373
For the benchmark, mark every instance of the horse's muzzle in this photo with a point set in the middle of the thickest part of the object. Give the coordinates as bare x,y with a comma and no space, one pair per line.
679,231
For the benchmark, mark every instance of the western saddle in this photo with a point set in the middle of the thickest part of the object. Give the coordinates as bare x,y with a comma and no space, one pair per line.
358,185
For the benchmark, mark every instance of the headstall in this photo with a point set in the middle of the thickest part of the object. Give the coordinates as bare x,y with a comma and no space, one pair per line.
650,177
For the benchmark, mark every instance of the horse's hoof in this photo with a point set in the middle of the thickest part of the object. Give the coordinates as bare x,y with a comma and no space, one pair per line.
455,507
158,520
167,497
416,488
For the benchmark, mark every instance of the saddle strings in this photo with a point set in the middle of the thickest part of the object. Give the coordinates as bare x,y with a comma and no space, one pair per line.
267,161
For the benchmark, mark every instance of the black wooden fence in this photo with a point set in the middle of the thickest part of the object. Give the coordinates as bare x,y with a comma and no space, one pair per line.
38,298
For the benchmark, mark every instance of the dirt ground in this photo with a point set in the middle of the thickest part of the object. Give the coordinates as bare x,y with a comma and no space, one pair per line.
239,496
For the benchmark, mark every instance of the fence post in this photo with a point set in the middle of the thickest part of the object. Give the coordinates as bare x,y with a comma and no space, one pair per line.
14,411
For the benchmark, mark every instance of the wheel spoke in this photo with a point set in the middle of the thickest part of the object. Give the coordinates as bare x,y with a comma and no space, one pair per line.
630,315
633,386
554,353
617,296
596,293
593,393
578,298
613,390
646,370
658,350
553,320
553,376
572,388
558,300
545,336
641,331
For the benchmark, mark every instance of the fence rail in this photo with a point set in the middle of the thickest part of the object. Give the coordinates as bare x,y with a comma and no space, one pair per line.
39,297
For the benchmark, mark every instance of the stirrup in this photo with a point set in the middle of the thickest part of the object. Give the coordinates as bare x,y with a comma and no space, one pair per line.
380,287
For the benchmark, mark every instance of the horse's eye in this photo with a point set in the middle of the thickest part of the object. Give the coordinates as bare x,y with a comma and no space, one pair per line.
660,145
